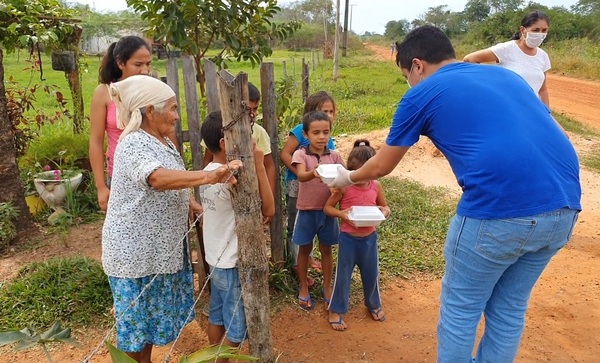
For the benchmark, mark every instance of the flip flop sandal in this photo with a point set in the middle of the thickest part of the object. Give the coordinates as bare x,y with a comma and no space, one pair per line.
326,300
375,314
338,323
306,303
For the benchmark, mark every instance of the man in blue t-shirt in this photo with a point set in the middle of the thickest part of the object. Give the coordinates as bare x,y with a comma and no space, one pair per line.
521,192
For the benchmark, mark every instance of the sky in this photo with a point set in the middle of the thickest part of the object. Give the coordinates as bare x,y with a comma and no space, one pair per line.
367,15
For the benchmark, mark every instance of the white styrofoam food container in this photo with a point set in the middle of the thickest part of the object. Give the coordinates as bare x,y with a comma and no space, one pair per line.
328,172
366,216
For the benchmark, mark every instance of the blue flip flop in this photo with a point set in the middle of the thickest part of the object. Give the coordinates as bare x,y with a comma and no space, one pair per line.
309,303
327,301
375,314
338,323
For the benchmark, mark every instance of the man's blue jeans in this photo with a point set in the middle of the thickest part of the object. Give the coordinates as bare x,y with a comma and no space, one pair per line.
491,268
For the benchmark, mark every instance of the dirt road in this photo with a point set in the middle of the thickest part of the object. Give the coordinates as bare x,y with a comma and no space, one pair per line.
575,98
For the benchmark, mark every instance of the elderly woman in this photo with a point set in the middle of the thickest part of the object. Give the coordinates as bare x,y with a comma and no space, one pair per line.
143,249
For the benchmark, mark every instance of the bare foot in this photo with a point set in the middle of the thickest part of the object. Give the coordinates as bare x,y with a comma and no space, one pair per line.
337,322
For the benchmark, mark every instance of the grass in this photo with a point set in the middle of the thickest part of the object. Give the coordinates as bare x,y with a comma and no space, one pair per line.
73,290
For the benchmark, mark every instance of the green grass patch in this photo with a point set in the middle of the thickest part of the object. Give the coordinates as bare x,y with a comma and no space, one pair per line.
574,126
411,240
592,160
72,290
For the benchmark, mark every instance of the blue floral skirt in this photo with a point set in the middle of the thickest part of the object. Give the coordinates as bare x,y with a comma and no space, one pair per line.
166,306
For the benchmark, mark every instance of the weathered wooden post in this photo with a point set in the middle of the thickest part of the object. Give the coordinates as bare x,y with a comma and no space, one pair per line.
173,82
212,94
253,265
305,83
312,59
284,69
269,122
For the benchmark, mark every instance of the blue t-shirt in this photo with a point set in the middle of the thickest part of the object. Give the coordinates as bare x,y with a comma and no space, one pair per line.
508,154
302,142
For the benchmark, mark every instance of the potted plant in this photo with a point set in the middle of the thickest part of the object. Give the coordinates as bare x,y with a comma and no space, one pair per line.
53,184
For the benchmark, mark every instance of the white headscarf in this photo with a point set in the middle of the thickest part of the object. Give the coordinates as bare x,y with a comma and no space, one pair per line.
133,93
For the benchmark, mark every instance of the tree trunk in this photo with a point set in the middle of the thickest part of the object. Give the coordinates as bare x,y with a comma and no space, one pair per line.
11,186
253,265
74,80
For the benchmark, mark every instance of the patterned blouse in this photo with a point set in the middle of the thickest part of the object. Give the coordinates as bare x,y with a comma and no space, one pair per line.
144,227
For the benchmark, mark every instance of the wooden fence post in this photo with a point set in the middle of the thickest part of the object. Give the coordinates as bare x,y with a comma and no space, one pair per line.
285,69
192,136
269,121
305,80
173,82
212,94
253,265
312,59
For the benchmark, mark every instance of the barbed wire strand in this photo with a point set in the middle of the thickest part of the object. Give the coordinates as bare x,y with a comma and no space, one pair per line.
192,309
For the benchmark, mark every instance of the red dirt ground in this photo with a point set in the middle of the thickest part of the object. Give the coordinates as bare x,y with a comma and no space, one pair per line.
562,320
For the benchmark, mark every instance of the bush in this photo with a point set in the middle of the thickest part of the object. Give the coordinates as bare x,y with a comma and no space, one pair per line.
8,230
46,149
73,290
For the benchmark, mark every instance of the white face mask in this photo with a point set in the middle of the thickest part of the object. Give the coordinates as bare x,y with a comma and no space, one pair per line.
534,40
408,78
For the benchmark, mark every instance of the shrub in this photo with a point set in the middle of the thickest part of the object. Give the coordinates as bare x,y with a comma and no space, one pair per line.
8,231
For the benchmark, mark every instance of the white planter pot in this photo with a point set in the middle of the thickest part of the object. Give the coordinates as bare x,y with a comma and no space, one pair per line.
53,191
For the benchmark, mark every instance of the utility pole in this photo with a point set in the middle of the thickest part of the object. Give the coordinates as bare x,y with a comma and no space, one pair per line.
351,8
345,47
336,46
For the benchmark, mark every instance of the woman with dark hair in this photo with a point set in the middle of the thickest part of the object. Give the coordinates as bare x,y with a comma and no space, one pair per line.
129,56
522,54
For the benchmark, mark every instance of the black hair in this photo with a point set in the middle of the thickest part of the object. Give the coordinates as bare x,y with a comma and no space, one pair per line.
530,19
315,101
360,153
426,43
253,93
119,51
212,131
313,116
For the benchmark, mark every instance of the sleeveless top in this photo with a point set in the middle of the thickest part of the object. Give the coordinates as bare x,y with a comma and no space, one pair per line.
358,196
112,134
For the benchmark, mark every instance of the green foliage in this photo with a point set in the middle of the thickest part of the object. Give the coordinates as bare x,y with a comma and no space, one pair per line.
397,29
411,240
8,231
244,27
29,22
26,338
215,352
67,289
118,356
60,147
108,24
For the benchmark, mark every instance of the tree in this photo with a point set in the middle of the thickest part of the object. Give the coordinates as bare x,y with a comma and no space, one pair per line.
476,11
503,6
243,28
24,23
397,29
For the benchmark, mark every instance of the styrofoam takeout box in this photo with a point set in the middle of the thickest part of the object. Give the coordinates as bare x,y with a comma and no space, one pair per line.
328,172
366,216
